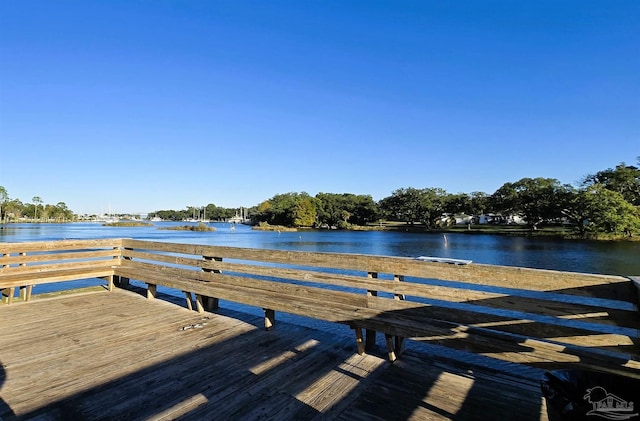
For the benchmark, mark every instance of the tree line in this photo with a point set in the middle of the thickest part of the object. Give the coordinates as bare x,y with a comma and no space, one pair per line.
14,209
210,212
604,202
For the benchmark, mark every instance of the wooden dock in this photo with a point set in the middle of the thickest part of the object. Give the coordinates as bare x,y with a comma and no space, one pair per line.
118,356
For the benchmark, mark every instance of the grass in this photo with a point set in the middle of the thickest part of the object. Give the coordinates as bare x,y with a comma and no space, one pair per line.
128,224
197,228
264,226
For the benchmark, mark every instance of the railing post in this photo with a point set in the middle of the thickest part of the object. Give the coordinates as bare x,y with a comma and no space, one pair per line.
399,340
112,279
6,293
370,334
25,290
204,303
122,281
10,291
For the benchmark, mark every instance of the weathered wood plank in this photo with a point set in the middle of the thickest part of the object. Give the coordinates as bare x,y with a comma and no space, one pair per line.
26,259
58,275
58,245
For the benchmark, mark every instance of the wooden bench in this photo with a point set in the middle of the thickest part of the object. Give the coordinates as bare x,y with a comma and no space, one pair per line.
23,265
543,318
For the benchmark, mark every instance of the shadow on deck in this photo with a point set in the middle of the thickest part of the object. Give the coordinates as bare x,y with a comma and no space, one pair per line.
118,356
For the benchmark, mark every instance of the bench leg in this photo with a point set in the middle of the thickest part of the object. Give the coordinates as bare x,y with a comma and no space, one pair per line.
269,319
25,292
390,349
121,282
152,291
204,303
187,296
359,341
399,345
370,340
7,294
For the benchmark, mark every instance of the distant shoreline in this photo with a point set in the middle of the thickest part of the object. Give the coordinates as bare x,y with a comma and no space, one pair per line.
555,232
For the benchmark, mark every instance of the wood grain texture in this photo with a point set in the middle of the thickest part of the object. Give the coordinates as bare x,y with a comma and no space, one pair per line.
119,356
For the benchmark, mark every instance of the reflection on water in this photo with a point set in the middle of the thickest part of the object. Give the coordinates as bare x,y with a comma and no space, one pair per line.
616,258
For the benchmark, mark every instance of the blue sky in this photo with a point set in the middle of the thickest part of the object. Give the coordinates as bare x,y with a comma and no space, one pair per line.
148,105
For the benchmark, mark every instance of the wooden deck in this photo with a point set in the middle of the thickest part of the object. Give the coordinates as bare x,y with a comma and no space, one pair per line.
116,355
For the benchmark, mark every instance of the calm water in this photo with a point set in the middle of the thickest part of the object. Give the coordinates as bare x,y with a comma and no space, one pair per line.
615,258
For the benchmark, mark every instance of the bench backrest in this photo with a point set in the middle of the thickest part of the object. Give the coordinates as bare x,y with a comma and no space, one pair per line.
42,262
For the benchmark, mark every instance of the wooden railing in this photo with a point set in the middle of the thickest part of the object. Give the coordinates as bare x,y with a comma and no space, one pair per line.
23,265
543,318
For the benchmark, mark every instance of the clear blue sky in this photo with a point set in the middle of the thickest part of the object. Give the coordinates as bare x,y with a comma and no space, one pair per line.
148,105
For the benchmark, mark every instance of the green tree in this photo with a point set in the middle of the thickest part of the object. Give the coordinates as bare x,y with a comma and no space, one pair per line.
404,204
304,212
365,210
537,200
415,205
282,209
596,210
60,212
14,209
480,203
3,200
459,203
345,209
624,179
36,201
432,205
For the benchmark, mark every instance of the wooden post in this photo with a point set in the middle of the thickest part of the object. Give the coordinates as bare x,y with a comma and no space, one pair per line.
113,279
209,303
152,291
189,299
204,303
399,340
359,341
398,278
25,290
7,293
121,281
269,319
390,350
110,282
370,335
